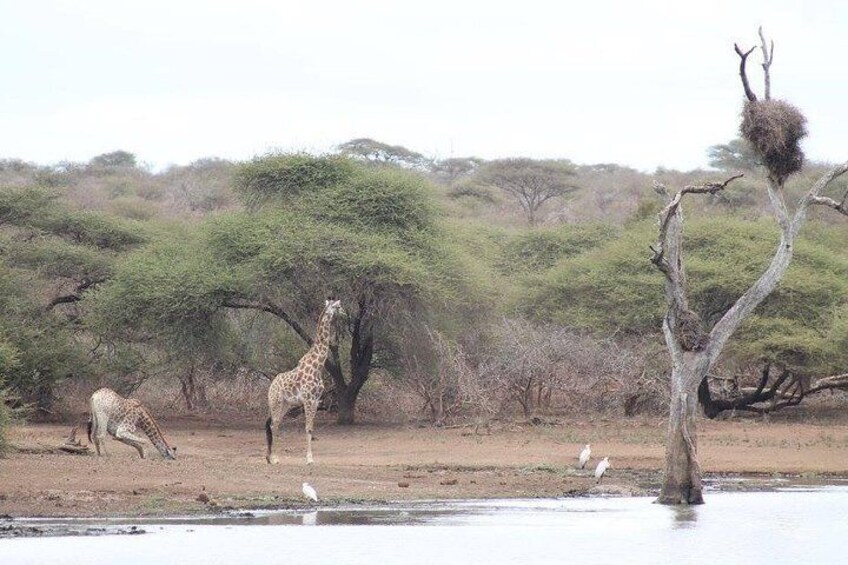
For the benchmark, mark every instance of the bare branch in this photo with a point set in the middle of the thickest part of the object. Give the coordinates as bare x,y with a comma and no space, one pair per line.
683,328
75,296
748,92
832,382
767,282
841,206
831,203
271,309
814,196
768,57
778,204
671,208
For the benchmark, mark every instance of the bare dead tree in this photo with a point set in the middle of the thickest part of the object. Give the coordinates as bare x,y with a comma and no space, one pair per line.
693,348
774,391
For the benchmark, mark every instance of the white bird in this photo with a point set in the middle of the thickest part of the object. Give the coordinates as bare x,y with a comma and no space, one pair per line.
309,492
585,455
601,469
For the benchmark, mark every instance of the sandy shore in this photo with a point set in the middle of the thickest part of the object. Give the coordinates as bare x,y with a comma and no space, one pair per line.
226,463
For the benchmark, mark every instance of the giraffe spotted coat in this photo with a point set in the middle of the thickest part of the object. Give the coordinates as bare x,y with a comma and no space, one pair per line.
303,385
125,419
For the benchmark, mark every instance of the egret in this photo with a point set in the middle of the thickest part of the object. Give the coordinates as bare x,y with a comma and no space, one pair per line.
309,492
601,469
584,456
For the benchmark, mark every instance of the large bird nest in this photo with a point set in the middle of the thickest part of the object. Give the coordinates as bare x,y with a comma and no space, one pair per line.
775,129
690,330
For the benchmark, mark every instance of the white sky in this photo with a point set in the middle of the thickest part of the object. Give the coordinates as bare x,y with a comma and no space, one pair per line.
642,83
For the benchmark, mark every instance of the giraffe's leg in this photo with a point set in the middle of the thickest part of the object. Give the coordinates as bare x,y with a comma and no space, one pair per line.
271,424
98,432
92,432
274,423
125,436
94,428
309,410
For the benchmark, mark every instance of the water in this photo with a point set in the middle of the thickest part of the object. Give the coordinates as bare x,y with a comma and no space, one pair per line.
788,525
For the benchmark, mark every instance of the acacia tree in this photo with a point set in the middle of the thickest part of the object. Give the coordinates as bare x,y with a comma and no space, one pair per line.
114,159
316,226
51,257
450,170
530,182
379,153
774,128
325,225
735,155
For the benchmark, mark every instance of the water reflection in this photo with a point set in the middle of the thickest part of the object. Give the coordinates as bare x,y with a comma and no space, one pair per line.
683,516
310,518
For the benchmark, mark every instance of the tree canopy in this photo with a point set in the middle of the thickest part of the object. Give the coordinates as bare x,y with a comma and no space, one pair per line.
319,226
529,182
377,152
50,257
611,289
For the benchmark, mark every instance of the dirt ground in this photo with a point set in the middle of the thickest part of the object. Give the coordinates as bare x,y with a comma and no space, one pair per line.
225,462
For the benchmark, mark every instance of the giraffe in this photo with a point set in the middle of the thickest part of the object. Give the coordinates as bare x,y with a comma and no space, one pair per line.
303,384
122,418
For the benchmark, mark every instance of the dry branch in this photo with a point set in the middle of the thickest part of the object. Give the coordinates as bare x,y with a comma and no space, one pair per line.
73,445
745,84
787,389
831,203
672,207
833,382
768,57
76,295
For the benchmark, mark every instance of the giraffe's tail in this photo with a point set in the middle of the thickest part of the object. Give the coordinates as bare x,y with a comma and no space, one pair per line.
269,434
88,428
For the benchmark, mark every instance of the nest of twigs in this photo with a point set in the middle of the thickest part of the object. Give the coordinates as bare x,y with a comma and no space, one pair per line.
690,330
775,129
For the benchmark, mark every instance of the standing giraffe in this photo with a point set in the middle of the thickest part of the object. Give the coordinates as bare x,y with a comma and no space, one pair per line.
303,384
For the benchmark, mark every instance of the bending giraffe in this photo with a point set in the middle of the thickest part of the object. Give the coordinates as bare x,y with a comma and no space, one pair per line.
123,418
303,384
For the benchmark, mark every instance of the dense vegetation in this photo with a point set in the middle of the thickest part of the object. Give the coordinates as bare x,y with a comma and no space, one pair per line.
112,274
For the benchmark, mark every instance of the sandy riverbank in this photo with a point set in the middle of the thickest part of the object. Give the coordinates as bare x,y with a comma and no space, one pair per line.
368,462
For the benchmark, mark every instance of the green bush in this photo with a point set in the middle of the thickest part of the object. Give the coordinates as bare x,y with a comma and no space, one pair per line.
8,361
133,208
540,249
614,289
284,176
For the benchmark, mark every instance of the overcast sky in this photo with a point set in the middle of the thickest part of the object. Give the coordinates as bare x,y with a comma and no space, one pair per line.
643,84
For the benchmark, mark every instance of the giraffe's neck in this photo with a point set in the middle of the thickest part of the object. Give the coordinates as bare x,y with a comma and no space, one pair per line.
148,425
321,346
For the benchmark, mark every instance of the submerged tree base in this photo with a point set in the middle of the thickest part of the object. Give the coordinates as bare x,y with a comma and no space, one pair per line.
674,494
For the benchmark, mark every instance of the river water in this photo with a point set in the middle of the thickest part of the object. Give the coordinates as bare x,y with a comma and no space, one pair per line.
795,525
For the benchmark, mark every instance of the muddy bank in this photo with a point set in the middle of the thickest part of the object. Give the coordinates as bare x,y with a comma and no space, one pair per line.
10,528
222,467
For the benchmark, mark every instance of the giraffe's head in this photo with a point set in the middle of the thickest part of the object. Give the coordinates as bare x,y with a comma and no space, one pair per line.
332,307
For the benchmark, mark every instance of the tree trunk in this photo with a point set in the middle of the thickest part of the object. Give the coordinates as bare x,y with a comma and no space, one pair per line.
347,407
682,478
361,354
692,352
194,393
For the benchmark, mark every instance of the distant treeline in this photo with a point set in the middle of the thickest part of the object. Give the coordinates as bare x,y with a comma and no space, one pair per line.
115,274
